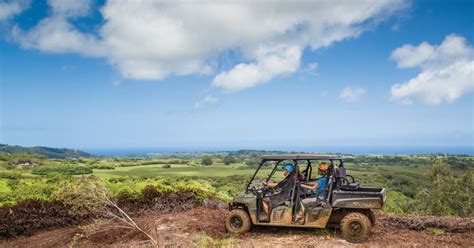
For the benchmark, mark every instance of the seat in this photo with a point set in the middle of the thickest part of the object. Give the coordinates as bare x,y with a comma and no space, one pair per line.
350,187
342,182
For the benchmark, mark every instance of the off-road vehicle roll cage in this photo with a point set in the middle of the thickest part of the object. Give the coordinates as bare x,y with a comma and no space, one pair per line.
295,158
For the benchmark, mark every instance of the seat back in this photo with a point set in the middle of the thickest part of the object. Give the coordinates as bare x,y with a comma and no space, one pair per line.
341,172
329,188
340,176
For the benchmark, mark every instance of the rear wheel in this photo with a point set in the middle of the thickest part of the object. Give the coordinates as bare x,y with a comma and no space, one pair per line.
238,221
355,227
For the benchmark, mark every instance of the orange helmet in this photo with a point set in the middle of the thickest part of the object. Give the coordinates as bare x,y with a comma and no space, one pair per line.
323,166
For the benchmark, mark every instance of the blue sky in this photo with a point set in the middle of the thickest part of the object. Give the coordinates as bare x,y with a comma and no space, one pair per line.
89,75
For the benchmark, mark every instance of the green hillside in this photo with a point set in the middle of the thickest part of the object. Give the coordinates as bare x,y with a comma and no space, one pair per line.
43,151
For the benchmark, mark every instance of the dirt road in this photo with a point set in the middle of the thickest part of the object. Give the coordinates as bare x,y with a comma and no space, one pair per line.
204,227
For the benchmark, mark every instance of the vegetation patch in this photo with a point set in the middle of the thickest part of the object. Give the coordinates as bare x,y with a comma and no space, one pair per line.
62,169
29,216
435,231
433,223
82,199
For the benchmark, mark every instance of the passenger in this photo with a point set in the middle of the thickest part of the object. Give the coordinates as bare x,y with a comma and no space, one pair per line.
319,186
278,199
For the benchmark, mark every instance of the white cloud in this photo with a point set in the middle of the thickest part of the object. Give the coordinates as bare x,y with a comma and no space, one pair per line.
56,35
152,40
70,7
270,62
206,102
312,66
409,56
438,85
9,9
447,71
351,94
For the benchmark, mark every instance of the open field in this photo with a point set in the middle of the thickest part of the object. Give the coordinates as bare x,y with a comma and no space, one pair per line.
176,170
23,176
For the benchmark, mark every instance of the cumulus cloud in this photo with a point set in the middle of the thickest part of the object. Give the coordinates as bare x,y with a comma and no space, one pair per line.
206,102
152,40
351,94
447,71
72,8
56,35
8,9
270,62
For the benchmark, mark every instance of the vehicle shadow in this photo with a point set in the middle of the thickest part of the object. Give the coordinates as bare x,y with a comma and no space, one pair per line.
293,230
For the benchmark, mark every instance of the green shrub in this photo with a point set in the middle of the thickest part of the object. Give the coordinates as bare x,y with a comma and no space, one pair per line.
30,189
10,174
229,159
447,195
397,203
62,169
206,160
435,231
86,194
104,166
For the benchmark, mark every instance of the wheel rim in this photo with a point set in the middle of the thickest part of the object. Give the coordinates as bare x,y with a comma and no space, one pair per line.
355,228
236,222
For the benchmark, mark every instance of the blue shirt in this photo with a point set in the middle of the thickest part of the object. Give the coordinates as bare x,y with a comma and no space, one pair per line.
323,183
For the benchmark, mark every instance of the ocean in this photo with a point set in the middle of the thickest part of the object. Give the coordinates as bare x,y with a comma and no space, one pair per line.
356,150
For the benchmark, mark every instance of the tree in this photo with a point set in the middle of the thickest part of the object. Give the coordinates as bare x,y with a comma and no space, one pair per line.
447,195
206,160
229,159
252,162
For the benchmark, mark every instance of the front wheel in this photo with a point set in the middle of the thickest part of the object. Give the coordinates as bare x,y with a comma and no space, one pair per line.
238,221
355,227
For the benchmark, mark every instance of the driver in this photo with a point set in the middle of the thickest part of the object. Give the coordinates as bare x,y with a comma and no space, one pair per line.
277,199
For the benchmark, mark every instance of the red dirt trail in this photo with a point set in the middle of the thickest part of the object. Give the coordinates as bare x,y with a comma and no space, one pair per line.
190,228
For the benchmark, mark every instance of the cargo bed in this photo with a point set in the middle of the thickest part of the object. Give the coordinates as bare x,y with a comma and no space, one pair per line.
367,198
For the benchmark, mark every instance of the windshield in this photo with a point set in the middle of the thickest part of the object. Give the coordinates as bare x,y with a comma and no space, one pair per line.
272,171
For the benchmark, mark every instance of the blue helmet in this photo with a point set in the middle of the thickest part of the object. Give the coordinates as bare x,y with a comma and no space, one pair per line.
288,167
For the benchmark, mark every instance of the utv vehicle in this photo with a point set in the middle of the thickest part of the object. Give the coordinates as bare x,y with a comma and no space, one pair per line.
345,204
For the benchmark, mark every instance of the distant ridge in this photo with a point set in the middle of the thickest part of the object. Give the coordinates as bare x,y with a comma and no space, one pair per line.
43,151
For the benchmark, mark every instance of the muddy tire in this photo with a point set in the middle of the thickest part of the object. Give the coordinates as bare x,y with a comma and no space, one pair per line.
355,227
238,221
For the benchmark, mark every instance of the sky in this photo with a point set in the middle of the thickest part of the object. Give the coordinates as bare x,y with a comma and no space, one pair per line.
237,74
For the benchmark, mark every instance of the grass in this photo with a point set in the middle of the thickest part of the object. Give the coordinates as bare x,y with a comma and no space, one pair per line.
4,187
435,231
368,176
218,170
205,240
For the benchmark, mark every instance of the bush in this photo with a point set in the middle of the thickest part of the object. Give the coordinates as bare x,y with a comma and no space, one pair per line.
447,195
62,169
397,203
102,166
206,160
229,160
10,174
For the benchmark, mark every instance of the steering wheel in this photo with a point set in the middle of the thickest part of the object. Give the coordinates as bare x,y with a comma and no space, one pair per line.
260,191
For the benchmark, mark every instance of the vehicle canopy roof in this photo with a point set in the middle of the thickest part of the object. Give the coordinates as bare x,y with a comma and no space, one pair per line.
301,156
